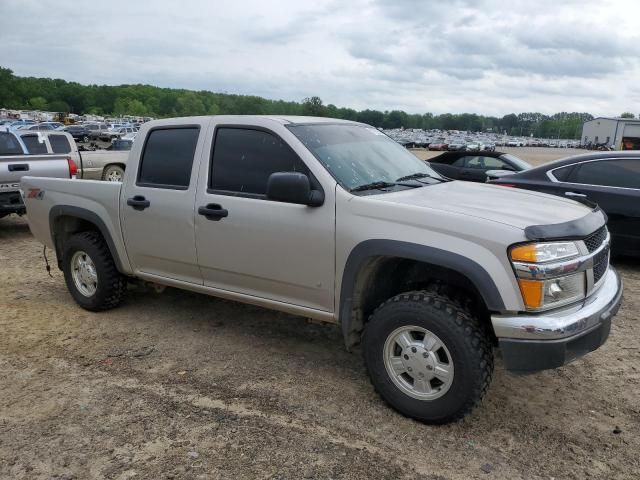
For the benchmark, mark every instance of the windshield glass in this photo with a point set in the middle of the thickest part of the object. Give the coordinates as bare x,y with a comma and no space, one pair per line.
517,161
358,155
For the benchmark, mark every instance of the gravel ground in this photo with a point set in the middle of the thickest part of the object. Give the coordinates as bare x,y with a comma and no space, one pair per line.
180,385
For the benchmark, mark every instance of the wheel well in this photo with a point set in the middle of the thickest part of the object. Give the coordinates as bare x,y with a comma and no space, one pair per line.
121,165
381,278
66,225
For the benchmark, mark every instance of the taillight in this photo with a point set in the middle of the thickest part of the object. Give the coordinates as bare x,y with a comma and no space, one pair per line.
73,168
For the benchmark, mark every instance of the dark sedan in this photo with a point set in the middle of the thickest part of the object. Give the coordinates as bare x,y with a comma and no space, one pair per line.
610,179
79,132
473,166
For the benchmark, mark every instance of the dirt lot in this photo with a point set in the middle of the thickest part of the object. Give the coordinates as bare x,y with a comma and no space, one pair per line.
178,385
533,155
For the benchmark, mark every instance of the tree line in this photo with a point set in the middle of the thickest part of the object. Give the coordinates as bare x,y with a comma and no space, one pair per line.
56,95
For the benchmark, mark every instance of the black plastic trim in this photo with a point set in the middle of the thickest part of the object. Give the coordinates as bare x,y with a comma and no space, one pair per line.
527,356
465,266
84,214
579,228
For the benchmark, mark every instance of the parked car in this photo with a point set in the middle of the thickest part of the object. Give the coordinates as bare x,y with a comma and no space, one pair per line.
283,212
609,179
37,127
79,132
110,134
473,147
456,145
473,167
96,130
21,123
438,146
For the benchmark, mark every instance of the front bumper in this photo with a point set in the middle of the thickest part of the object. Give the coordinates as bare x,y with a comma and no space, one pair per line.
532,342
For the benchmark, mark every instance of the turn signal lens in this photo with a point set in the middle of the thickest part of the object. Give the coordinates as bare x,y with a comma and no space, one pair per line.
531,292
544,252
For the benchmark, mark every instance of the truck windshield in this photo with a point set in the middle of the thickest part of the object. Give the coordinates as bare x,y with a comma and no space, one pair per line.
359,155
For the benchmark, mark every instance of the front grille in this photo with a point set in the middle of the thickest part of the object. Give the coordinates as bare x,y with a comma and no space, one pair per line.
596,239
600,264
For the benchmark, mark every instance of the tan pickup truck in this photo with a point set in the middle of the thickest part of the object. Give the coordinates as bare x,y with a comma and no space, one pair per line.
335,221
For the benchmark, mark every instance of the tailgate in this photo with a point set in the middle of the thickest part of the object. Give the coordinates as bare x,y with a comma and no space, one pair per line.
13,168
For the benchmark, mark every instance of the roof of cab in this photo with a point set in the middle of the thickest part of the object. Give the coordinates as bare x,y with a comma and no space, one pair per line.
282,119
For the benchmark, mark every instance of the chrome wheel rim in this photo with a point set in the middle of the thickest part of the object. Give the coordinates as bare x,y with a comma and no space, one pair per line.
418,362
84,274
114,175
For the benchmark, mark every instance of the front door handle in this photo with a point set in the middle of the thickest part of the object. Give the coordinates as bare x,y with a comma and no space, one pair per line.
213,211
575,194
138,202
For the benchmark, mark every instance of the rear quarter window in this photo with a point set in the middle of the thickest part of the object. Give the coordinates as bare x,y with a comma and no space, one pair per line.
59,144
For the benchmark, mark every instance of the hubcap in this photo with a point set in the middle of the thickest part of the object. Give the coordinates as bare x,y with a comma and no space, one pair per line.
83,271
114,176
418,362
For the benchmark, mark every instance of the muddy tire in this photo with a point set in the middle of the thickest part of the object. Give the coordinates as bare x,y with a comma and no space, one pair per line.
427,356
113,173
90,272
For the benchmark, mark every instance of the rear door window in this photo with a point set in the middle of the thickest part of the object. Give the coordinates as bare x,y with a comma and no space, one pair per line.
623,173
167,157
59,144
35,144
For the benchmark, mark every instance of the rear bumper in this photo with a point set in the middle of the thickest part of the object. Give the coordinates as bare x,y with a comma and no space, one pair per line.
550,340
11,202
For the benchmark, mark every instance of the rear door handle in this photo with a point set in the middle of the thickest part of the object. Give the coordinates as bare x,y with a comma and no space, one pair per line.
575,194
138,202
213,211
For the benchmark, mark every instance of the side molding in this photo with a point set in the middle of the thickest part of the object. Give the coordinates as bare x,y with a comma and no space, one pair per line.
84,214
422,253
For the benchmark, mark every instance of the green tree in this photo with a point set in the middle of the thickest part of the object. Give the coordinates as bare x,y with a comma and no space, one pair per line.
38,103
313,106
627,115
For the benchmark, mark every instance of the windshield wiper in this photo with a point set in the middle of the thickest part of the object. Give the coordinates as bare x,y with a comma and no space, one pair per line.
416,176
372,185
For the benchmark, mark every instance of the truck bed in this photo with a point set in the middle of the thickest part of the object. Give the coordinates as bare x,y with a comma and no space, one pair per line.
42,194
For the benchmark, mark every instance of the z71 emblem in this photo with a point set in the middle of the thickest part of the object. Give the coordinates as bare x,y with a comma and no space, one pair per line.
36,193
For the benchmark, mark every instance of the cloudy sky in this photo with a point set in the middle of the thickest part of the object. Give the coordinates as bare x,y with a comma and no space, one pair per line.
491,57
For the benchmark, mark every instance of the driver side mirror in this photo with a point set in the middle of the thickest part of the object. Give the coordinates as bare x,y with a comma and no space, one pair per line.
293,187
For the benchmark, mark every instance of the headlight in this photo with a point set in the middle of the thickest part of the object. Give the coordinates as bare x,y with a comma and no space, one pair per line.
544,252
540,268
545,294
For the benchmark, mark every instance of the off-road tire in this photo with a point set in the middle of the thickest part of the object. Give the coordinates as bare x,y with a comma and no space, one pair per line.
463,335
111,283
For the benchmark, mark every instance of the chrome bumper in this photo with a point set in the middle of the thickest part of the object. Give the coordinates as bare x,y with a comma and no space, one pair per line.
531,342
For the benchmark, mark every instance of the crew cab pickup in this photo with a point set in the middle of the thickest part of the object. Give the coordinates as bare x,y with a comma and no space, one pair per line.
333,220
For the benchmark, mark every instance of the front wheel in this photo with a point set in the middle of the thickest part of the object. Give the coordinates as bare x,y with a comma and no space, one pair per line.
427,356
113,173
90,272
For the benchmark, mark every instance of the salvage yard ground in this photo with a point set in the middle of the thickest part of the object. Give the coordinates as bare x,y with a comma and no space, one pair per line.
179,385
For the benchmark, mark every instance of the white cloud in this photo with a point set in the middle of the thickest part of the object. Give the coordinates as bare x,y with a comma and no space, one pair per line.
490,57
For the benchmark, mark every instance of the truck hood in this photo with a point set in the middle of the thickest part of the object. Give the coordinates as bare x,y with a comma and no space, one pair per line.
510,206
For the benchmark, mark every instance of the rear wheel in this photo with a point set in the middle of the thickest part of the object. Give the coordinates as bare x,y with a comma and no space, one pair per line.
85,138
113,173
427,356
90,272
